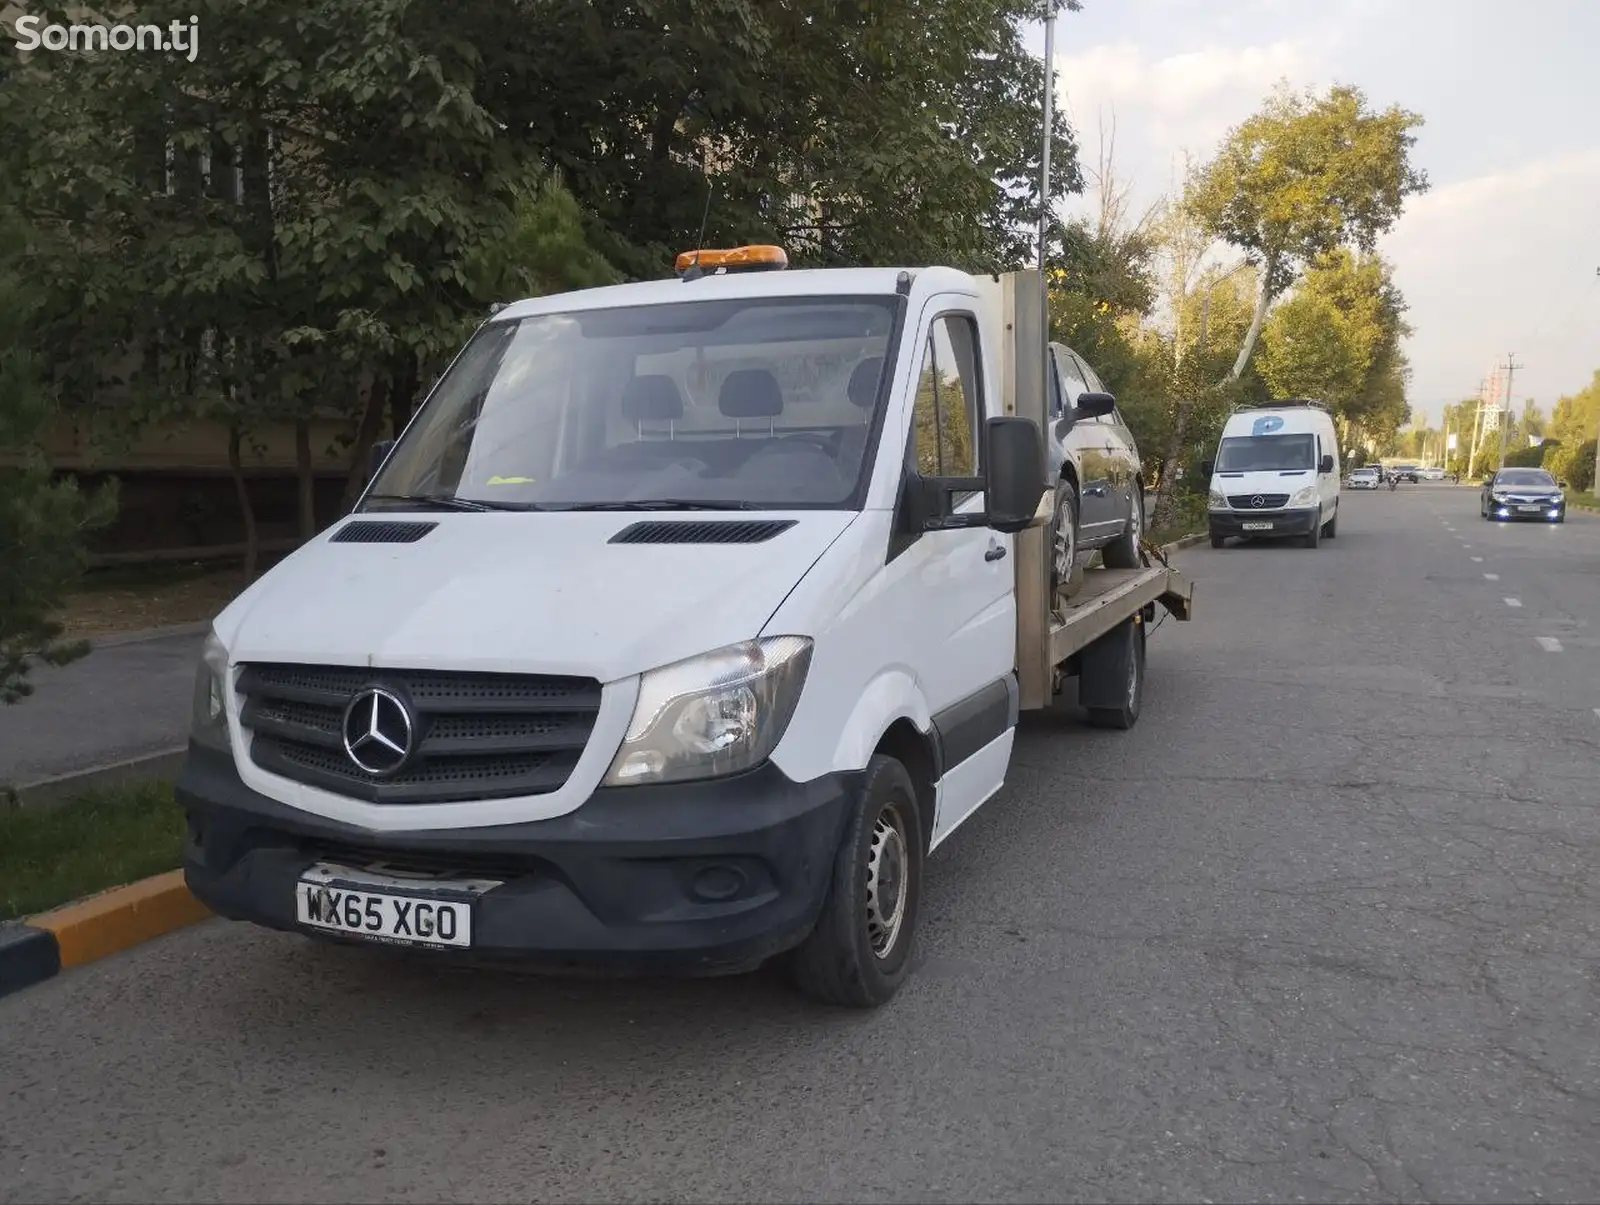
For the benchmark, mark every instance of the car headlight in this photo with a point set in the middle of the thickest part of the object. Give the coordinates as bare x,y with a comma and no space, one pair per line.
208,718
1305,496
1499,497
711,715
1218,502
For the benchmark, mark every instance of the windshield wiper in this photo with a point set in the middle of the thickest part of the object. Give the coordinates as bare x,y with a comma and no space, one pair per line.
661,504
447,502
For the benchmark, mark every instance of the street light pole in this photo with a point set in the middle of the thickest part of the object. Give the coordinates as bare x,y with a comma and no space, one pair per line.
1044,183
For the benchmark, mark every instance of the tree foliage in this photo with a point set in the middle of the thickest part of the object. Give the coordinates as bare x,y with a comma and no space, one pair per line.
1303,177
43,519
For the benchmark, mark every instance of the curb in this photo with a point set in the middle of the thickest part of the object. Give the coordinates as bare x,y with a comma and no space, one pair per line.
42,946
164,763
143,634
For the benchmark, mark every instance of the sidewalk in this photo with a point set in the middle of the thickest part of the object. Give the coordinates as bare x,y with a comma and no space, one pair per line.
128,697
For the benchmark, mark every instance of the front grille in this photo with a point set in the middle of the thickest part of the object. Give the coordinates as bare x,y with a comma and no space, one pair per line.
1248,501
474,735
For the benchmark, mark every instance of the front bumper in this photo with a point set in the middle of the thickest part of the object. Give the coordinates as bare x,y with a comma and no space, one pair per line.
696,878
1284,522
1546,512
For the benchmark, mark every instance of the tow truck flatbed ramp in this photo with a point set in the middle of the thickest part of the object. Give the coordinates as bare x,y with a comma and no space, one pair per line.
1110,596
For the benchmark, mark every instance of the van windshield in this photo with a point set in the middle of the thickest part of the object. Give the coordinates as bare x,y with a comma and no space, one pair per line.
741,404
1266,453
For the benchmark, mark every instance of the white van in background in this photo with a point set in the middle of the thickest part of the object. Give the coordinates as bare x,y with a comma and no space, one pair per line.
1276,474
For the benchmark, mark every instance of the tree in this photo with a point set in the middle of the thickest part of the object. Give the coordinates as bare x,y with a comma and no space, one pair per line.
1301,178
43,521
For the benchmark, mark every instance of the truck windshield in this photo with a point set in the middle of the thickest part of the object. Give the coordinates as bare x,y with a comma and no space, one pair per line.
744,404
1266,453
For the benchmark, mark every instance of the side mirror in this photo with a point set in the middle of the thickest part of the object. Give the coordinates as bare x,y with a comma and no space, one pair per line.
376,455
1327,464
1016,478
1207,468
1093,405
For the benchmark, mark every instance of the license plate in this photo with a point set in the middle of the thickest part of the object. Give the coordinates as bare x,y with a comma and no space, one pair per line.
1530,508
337,899
1261,526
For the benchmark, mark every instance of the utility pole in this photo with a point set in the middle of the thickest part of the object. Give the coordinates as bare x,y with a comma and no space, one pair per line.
1511,367
1044,186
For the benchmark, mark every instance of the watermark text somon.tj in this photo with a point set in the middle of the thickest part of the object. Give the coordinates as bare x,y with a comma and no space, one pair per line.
182,37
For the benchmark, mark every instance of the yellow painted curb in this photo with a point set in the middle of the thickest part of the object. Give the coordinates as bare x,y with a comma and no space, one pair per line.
122,917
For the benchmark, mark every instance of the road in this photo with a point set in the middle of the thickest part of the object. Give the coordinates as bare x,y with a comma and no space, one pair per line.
1324,926
122,700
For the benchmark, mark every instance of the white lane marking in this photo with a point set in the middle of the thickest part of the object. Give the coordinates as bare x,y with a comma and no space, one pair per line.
1479,559
1492,577
1513,602
1597,713
1549,644
1464,544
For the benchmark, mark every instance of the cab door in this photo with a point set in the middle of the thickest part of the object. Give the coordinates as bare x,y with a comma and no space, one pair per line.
957,611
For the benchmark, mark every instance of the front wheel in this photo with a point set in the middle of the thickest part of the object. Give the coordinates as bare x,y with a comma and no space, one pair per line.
1125,552
1064,542
1314,536
860,951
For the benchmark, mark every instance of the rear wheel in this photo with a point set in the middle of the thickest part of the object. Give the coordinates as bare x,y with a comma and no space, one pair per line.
1064,542
860,951
1125,552
1216,541
1131,671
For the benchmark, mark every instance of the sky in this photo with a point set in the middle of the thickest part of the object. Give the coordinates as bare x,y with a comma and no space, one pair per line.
1501,255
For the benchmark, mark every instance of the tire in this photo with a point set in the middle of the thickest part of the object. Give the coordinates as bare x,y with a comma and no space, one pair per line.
1125,552
1314,536
857,956
1063,581
1216,541
1127,715
1330,529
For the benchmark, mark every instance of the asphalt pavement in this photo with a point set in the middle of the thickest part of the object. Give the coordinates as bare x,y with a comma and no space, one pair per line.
1324,926
124,699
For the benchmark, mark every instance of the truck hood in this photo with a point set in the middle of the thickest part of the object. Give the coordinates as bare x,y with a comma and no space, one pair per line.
1265,484
523,593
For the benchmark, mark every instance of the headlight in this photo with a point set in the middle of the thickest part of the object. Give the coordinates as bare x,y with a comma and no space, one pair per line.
1499,497
1218,502
711,715
208,719
1304,497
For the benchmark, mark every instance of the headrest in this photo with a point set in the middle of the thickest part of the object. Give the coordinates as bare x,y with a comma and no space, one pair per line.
750,393
653,398
863,388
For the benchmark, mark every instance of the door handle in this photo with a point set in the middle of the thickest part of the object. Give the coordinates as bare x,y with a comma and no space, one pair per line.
995,553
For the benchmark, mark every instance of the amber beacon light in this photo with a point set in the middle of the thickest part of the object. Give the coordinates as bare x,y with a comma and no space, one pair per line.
754,258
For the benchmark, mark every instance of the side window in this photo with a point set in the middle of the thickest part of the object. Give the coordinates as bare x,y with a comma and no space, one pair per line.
947,419
1072,382
1092,384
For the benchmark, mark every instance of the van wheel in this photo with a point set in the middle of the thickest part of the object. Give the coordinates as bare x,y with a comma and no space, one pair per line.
1314,536
1216,541
1126,714
1331,527
1125,552
860,951
1064,582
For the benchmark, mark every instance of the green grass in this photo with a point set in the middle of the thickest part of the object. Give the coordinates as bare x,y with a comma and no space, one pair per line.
51,854
1575,498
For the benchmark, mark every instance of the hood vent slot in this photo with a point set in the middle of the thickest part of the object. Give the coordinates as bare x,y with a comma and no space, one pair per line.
384,531
701,531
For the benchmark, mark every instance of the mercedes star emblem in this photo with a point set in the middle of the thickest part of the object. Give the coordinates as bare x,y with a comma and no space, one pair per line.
1258,500
378,731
